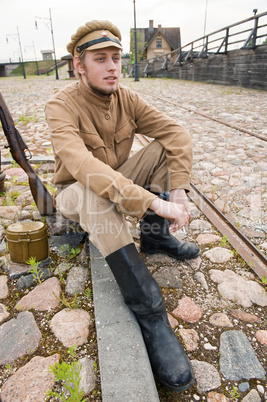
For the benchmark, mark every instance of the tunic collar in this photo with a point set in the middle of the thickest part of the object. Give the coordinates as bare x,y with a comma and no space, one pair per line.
92,97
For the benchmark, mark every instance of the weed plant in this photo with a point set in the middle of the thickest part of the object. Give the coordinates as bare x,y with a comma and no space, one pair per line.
69,374
69,253
37,274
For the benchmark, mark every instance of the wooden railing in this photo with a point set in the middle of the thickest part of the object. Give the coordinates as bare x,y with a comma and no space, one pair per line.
246,34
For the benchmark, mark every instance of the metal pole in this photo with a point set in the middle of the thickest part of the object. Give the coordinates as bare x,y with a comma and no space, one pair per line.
136,77
205,19
53,44
22,62
36,62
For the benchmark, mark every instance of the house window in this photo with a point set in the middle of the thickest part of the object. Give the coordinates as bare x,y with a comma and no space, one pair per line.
159,43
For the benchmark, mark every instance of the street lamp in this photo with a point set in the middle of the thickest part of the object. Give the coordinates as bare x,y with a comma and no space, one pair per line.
136,78
21,55
52,33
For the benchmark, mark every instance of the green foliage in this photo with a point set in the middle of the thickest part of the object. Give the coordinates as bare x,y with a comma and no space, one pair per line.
12,161
234,394
10,198
25,118
37,274
8,368
68,303
224,241
49,151
31,69
69,253
69,374
95,366
60,275
140,44
51,189
13,179
88,293
72,351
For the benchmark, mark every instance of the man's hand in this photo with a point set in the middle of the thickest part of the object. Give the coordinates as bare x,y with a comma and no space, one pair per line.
178,196
176,213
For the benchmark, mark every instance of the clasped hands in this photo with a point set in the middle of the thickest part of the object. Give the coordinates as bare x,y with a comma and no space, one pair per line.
176,210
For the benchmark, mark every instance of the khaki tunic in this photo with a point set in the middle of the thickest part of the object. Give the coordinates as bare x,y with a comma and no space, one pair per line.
92,136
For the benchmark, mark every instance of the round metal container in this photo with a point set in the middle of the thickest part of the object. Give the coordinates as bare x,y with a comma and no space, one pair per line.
27,239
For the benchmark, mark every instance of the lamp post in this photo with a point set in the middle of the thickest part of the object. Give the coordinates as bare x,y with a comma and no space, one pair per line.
136,77
21,55
205,19
52,34
36,62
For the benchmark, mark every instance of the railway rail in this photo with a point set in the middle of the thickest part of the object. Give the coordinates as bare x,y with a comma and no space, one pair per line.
207,116
245,248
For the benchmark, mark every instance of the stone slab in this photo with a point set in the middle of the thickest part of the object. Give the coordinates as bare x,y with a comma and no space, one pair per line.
19,336
237,358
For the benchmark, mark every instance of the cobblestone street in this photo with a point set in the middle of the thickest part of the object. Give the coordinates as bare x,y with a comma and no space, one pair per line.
216,303
230,166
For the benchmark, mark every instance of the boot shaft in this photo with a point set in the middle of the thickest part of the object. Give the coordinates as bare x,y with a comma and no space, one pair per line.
154,226
142,295
155,238
139,289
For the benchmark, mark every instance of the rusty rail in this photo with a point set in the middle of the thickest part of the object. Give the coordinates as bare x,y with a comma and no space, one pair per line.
253,257
207,116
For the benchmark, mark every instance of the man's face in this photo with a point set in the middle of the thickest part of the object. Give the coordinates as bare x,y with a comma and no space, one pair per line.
101,69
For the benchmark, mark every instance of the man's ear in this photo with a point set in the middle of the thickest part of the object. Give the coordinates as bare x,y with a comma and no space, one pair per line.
78,65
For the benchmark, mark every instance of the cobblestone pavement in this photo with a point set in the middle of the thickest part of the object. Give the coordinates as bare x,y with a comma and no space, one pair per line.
230,166
216,304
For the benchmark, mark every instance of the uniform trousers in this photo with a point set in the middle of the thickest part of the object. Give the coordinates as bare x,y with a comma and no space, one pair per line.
107,227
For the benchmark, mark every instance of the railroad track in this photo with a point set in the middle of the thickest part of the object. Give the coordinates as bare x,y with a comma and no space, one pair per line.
244,247
207,116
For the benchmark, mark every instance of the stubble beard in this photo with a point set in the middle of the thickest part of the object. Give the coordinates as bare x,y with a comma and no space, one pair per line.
98,90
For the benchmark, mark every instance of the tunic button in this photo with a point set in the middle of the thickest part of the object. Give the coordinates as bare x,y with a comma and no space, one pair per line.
107,117
110,146
107,103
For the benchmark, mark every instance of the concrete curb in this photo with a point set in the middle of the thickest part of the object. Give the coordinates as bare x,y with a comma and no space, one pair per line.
34,159
125,370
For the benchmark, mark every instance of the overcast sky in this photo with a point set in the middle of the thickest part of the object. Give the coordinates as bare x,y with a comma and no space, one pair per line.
68,15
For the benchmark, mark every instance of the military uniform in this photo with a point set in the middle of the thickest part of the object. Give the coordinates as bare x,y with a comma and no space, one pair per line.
97,183
92,139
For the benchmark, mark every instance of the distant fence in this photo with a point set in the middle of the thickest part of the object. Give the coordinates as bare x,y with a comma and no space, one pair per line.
6,69
234,55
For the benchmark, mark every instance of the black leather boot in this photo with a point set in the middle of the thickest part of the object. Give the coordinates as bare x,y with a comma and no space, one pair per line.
156,237
141,293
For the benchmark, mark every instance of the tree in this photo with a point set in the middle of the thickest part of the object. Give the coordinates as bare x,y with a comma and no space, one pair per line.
141,53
